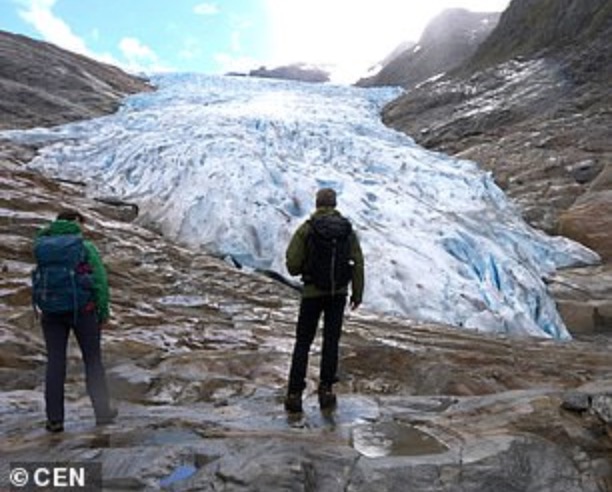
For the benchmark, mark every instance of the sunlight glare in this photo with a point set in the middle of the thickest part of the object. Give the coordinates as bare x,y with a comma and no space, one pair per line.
350,36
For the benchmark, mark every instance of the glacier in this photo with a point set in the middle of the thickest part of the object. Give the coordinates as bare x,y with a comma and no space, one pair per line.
230,166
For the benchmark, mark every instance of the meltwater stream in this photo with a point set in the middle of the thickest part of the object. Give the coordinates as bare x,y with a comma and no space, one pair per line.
231,165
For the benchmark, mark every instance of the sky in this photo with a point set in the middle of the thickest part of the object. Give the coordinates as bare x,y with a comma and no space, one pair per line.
347,37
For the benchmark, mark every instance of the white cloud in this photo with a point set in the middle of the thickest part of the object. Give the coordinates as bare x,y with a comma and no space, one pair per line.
206,9
139,57
235,61
39,14
133,49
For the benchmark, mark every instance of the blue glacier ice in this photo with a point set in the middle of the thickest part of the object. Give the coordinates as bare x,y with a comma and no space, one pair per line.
230,165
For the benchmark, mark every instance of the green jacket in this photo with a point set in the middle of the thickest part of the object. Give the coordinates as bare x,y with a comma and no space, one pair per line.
100,280
295,259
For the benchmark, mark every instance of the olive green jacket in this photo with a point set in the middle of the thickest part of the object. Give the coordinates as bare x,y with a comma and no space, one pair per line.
100,279
296,258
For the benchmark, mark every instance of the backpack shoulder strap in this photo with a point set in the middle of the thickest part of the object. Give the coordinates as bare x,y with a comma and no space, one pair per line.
332,226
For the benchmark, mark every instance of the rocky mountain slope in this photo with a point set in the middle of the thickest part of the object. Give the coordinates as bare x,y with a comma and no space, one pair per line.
530,27
449,40
44,85
534,107
198,353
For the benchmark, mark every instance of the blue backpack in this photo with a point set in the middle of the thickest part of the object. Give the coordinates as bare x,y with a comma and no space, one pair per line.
62,280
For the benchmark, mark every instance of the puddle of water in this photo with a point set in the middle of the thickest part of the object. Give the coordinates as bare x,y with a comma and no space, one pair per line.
265,412
394,439
159,437
170,436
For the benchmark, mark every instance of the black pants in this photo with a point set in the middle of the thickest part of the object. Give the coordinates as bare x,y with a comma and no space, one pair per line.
332,308
56,329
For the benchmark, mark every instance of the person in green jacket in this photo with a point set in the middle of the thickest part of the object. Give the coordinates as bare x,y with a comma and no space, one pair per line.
86,322
316,301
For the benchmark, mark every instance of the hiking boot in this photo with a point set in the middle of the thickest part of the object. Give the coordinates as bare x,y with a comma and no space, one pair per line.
108,418
327,399
293,403
54,426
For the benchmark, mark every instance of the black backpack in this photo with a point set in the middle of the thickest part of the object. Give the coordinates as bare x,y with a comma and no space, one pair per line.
328,253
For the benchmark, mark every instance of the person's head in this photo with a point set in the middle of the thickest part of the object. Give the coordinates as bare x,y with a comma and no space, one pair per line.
71,215
326,197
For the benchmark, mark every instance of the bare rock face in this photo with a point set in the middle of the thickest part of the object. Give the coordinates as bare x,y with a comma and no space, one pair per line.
588,221
584,298
43,85
197,359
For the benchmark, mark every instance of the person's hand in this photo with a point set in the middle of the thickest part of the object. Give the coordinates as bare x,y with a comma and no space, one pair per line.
354,304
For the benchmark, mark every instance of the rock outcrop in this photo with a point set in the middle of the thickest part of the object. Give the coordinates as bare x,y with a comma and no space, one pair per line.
588,220
296,71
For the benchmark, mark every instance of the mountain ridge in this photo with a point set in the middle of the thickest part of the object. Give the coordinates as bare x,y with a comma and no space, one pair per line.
530,27
447,41
46,85
562,91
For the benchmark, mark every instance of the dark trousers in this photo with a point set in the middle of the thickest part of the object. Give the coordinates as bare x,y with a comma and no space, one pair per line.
56,329
332,308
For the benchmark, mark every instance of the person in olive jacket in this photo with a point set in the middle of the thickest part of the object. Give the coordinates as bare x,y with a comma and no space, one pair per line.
316,301
86,322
